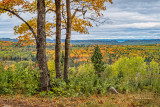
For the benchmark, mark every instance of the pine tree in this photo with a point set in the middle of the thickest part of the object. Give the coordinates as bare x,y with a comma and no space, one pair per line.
97,61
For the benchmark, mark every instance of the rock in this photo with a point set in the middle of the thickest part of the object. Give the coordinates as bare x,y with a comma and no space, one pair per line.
113,90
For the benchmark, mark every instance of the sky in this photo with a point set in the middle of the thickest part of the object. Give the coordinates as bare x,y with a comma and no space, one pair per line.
126,19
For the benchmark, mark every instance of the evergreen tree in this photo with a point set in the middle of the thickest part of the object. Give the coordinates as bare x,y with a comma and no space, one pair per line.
97,61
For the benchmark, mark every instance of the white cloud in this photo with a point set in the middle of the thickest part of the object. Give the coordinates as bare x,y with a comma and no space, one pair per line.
118,15
136,19
6,32
133,25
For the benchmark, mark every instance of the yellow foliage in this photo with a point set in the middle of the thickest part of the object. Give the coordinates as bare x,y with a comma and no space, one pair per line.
78,24
27,37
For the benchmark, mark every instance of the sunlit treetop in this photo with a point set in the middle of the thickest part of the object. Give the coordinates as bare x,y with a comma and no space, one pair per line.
15,7
84,14
80,25
26,37
11,5
91,6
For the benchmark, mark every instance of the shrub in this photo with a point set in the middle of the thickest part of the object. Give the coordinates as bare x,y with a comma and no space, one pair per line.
126,75
21,80
129,68
133,74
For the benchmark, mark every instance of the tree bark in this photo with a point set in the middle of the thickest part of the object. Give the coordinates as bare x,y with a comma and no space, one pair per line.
67,41
58,39
41,46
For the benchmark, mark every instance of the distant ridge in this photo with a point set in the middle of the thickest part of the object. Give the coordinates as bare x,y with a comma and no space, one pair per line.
9,39
102,41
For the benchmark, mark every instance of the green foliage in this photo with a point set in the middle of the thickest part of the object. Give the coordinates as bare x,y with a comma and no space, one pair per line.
129,67
43,93
153,67
133,74
59,87
1,67
83,80
97,61
51,68
126,75
21,80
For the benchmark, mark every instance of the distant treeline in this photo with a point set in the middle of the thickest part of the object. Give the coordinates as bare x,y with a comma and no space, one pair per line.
102,41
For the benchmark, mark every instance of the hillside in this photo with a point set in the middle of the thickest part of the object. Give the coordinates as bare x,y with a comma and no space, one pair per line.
102,41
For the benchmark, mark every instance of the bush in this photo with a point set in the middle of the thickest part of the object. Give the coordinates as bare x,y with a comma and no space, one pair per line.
133,74
126,75
129,67
21,80
85,81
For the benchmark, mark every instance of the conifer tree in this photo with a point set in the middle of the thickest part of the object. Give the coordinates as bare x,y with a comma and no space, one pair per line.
97,61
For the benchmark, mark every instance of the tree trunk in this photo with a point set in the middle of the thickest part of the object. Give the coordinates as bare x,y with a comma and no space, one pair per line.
67,41
41,46
58,39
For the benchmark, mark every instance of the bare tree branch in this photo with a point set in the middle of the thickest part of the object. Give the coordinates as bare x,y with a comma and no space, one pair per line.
50,10
31,29
26,10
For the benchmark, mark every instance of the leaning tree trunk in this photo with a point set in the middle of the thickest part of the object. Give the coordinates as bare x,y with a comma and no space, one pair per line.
67,41
41,46
58,39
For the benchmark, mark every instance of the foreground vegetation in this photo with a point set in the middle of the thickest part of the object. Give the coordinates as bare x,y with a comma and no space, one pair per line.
126,75
135,70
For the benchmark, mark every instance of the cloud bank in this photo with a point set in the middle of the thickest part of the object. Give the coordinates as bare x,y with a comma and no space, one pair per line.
130,19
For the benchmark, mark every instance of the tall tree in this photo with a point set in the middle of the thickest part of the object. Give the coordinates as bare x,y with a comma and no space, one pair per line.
58,39
92,7
67,40
41,45
9,6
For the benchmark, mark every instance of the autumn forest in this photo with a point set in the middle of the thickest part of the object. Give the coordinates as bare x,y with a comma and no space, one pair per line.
36,73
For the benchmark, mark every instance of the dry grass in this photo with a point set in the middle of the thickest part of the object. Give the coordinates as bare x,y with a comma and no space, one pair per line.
109,100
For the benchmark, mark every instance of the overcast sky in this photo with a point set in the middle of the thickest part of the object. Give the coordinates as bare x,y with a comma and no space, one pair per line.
129,19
